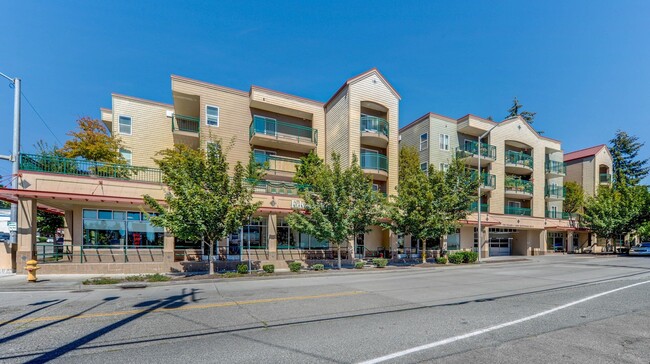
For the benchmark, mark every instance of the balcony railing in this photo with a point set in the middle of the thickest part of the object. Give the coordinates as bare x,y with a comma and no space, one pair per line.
374,161
519,185
519,159
185,123
510,210
555,167
470,147
474,207
373,124
605,178
558,215
86,168
278,188
487,180
281,130
555,191
281,164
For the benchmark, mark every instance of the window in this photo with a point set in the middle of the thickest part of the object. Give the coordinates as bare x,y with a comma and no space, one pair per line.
262,156
444,167
444,142
212,115
514,204
375,187
424,167
127,155
120,228
125,125
424,141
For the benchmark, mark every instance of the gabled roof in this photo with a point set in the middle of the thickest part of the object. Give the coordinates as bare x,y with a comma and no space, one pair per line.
284,94
583,153
424,117
362,75
527,124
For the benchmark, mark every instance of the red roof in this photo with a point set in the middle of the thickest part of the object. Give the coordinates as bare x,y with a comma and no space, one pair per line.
583,153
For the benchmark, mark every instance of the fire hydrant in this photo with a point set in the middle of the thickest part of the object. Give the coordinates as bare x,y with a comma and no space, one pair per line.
31,267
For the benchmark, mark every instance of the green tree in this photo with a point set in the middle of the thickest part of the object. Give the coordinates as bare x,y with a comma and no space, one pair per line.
429,207
514,111
47,222
310,165
629,170
93,142
330,213
575,197
204,203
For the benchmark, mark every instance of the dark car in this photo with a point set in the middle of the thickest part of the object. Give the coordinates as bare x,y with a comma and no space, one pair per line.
4,237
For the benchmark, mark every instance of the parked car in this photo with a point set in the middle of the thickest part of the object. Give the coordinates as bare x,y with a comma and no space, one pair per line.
4,237
640,249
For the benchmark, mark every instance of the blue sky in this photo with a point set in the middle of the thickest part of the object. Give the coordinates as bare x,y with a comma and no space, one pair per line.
581,65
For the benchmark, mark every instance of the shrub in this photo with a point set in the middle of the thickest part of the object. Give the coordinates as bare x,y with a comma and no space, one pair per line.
295,266
242,268
380,262
470,257
456,258
268,268
441,260
359,265
318,267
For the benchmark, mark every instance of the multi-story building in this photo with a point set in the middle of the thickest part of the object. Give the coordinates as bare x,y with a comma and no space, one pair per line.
103,205
590,167
521,172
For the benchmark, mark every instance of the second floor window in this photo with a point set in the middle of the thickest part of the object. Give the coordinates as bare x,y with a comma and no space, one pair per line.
424,141
444,142
125,125
212,115
127,155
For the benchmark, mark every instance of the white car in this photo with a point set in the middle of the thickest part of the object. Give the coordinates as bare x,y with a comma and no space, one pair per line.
640,249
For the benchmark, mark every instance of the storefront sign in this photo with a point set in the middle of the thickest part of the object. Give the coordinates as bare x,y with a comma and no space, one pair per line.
297,204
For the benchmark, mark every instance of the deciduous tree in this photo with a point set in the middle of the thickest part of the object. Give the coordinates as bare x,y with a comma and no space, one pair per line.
93,142
575,197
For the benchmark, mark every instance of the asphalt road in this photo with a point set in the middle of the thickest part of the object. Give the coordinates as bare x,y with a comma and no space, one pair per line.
555,309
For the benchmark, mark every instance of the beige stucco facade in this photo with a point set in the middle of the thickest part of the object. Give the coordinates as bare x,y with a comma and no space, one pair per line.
592,170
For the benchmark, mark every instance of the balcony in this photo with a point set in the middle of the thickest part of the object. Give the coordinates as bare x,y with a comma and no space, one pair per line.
558,215
554,192
86,168
271,133
518,162
521,211
374,131
518,188
375,164
605,178
555,168
469,152
279,166
185,125
484,207
488,181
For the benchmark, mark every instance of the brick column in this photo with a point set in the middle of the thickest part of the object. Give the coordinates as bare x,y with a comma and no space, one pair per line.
272,225
26,233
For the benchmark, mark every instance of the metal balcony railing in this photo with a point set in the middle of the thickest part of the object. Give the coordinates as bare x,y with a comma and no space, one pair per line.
470,147
185,123
519,159
558,215
282,131
605,178
510,210
519,185
484,207
555,167
487,180
86,168
555,191
374,161
374,124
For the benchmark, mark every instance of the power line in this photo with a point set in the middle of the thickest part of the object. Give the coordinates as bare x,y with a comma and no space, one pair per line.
40,117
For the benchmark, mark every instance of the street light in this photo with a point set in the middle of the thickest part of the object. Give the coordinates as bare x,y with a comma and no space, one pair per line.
15,152
478,204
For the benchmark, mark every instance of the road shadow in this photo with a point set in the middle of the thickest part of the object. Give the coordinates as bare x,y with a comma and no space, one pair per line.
48,304
169,302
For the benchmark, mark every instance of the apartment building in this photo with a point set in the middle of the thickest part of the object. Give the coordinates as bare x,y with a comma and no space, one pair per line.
590,167
103,206
522,175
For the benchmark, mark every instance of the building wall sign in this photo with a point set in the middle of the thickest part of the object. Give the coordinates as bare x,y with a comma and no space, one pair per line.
297,204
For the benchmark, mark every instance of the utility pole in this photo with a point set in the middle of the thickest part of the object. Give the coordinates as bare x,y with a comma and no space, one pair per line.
15,152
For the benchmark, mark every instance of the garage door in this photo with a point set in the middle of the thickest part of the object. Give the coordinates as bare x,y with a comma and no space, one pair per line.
500,246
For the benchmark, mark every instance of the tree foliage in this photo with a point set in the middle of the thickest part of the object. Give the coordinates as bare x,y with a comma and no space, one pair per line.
47,222
574,198
629,170
514,111
204,203
93,142
339,202
429,207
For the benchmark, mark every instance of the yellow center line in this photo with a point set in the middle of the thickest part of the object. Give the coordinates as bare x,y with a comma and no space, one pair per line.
185,308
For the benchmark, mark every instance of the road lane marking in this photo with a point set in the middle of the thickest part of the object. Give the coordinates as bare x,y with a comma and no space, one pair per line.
492,328
185,308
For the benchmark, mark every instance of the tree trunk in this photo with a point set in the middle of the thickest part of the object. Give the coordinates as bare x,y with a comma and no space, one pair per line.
424,251
338,253
210,258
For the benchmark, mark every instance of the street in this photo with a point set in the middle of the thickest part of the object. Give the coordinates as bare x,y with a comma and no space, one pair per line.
568,308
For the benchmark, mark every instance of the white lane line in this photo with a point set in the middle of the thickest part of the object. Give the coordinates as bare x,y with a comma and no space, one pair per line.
492,328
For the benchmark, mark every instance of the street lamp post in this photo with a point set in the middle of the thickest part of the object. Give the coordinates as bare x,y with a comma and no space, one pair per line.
480,182
15,152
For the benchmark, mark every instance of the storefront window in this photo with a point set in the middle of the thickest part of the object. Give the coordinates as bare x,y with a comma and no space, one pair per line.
287,238
119,228
453,241
255,234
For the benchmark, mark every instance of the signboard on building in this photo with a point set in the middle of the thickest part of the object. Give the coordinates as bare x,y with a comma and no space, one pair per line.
12,226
